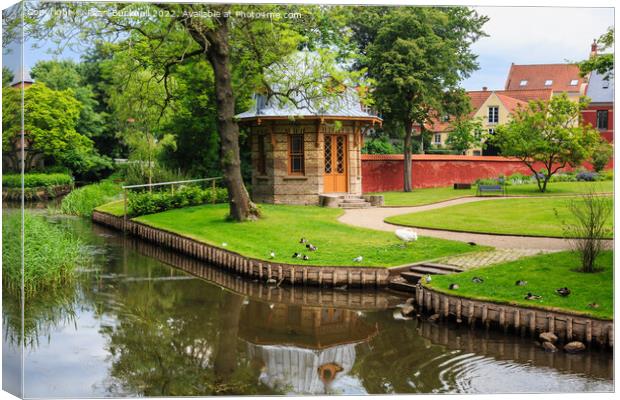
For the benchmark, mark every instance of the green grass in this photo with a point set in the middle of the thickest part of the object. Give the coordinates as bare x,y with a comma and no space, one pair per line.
51,254
82,201
420,197
281,227
544,274
533,217
116,208
33,180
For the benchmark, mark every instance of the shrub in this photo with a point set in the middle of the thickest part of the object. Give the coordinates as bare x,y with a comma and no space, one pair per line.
564,177
487,181
82,201
607,175
143,203
34,180
51,254
587,176
601,156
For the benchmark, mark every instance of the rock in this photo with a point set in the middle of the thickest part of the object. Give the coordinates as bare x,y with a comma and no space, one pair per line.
407,309
574,347
550,347
433,317
548,337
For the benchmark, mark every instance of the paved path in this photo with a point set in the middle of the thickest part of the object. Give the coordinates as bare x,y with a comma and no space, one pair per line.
373,218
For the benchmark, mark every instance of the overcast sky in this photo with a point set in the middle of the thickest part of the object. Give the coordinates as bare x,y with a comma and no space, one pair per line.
523,35
534,35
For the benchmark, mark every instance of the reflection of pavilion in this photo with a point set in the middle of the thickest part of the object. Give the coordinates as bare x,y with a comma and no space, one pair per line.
304,350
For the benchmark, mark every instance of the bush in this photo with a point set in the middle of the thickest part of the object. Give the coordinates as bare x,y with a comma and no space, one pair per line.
34,180
601,156
587,176
82,201
607,175
487,181
564,177
143,203
518,179
51,254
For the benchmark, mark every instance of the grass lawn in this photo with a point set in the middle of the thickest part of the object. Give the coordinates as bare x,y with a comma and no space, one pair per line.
281,228
420,197
534,217
544,274
115,208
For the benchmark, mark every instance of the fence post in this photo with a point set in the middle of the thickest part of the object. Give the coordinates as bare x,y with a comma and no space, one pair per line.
125,209
213,189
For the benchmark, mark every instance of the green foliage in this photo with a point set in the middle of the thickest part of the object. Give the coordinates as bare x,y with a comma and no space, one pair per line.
601,63
143,203
465,133
7,76
548,132
36,180
83,201
602,155
380,145
50,254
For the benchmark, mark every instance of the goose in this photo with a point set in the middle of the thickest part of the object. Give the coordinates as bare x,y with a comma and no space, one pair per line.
453,286
520,283
305,257
563,291
477,279
358,259
296,255
406,235
303,240
311,247
531,296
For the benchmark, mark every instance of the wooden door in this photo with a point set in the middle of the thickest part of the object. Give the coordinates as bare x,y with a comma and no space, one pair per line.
336,161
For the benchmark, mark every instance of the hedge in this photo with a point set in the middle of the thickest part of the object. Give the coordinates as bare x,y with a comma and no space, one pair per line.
143,203
34,180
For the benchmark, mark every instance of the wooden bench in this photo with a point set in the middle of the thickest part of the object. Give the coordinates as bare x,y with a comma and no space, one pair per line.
491,189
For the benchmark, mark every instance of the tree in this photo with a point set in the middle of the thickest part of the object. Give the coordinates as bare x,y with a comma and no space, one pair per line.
601,155
550,133
601,63
464,134
417,56
7,76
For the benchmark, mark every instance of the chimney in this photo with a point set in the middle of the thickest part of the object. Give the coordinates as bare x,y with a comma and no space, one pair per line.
484,88
593,49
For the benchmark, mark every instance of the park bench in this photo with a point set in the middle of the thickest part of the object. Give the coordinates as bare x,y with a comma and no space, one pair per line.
490,189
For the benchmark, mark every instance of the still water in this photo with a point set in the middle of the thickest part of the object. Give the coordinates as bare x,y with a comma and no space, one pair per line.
144,321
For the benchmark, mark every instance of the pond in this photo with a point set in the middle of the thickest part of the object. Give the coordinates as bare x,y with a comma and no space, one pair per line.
144,321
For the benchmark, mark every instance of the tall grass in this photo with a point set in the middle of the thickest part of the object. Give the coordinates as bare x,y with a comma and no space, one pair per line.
82,201
33,180
51,254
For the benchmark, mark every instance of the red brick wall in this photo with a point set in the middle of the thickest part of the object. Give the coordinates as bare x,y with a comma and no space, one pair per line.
382,173
589,117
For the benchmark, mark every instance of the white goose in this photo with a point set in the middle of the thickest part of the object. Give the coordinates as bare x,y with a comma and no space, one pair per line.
406,235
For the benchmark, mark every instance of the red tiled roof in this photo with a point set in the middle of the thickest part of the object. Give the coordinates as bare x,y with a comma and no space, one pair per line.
510,102
537,74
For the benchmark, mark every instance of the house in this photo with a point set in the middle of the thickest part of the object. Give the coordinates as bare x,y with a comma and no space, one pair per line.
23,79
306,148
600,111
492,107
560,78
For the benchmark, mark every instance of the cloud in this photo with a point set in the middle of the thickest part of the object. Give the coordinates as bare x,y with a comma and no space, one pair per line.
534,35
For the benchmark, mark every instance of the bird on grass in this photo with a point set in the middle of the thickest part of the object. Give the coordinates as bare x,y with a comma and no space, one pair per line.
303,240
296,255
453,286
477,279
406,235
272,254
358,259
563,291
224,244
471,243
593,305
531,296
520,283
428,279
305,258
311,247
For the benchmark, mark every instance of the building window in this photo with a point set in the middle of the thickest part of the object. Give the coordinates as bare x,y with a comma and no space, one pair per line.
574,82
262,156
548,82
477,153
606,83
478,135
296,154
523,83
491,131
437,138
602,119
493,115
445,118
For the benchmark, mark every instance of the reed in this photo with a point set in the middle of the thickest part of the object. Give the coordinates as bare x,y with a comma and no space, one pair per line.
82,201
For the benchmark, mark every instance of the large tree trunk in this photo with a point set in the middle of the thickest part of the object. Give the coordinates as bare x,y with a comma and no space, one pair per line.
407,157
241,207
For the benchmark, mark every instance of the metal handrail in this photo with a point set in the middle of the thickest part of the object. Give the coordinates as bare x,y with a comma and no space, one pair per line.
170,183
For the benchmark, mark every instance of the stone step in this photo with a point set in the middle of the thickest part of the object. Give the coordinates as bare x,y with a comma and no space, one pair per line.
412,277
441,267
354,200
401,286
354,205
429,271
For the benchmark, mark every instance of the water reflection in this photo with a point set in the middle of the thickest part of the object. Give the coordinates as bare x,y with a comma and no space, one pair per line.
150,322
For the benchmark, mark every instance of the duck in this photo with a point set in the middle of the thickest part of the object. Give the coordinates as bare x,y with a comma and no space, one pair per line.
272,254
296,255
305,258
477,279
563,291
593,305
531,296
453,286
311,247
358,259
520,283
472,243
303,240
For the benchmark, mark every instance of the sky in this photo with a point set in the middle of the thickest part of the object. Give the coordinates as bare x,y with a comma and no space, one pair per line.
523,35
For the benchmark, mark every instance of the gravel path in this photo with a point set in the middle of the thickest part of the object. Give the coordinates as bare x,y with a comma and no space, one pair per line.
373,218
